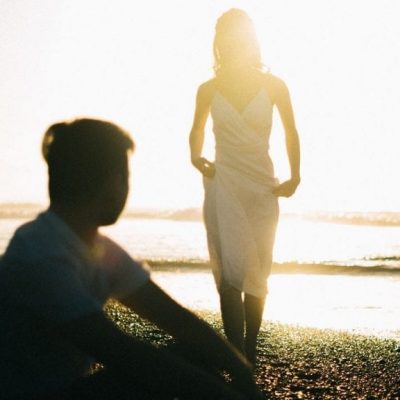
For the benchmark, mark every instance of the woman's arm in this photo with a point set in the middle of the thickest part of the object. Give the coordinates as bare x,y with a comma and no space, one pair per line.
196,137
284,105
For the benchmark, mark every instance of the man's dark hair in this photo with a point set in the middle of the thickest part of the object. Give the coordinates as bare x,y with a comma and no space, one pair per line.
81,155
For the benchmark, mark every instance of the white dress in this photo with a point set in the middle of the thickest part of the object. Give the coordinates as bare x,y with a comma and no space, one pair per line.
240,211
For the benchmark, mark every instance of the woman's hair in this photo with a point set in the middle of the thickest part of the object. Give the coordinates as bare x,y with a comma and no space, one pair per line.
236,42
80,156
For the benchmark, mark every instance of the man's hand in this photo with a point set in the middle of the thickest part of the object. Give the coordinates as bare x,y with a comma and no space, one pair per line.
153,304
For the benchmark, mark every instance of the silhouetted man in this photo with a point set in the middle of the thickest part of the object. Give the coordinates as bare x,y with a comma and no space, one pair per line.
58,272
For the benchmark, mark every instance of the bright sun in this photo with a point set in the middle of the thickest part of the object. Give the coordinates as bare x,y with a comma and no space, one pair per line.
139,64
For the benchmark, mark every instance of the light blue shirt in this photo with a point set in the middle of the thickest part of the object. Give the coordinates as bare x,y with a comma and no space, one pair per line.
48,275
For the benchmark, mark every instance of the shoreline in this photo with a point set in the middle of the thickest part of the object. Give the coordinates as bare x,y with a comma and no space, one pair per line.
282,268
364,303
303,363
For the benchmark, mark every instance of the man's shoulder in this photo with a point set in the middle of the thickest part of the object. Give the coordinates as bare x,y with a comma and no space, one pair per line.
19,257
28,230
22,237
30,241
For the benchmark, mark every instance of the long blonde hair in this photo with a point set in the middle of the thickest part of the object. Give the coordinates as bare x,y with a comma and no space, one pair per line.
236,42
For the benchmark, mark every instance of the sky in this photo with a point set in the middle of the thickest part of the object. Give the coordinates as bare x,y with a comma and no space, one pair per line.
139,63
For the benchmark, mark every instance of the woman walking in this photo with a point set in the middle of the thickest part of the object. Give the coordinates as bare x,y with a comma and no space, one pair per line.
241,192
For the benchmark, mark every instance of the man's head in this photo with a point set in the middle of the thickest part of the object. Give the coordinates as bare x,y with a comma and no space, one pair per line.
88,167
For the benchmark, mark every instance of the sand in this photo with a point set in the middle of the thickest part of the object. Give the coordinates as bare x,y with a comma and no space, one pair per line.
304,363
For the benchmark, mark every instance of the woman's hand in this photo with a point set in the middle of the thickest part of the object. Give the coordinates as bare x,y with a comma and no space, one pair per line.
287,188
207,168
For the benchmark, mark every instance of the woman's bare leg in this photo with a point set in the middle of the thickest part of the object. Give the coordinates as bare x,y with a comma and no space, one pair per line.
232,312
254,307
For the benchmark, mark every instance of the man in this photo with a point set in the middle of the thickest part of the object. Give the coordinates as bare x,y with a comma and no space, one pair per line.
58,272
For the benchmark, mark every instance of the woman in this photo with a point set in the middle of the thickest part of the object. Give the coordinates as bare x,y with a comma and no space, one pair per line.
241,193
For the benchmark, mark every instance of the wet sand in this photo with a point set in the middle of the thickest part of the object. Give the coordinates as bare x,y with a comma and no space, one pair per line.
304,363
364,302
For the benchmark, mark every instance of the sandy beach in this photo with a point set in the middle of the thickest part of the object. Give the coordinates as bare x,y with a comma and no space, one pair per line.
297,359
351,299
304,363
330,331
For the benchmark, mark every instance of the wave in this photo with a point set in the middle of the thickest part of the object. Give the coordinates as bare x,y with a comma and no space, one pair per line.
384,258
374,218
352,218
186,214
20,210
283,268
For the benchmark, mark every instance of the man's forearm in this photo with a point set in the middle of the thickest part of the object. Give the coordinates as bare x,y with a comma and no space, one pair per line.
155,305
143,365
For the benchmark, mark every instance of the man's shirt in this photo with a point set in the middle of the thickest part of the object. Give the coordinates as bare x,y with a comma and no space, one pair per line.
49,276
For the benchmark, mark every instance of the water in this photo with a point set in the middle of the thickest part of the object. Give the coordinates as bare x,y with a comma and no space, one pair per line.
298,240
363,303
357,304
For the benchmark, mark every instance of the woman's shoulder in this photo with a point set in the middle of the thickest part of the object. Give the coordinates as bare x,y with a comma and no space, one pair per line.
275,85
272,80
208,86
207,90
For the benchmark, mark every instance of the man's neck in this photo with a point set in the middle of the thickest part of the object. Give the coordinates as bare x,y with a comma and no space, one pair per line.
78,219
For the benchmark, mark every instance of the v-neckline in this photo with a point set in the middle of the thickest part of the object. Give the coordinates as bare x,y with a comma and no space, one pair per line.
248,104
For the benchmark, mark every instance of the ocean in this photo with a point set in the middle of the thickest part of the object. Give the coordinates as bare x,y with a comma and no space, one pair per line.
298,240
355,286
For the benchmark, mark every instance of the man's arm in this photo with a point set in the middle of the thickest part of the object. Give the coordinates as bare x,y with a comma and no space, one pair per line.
142,365
152,303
